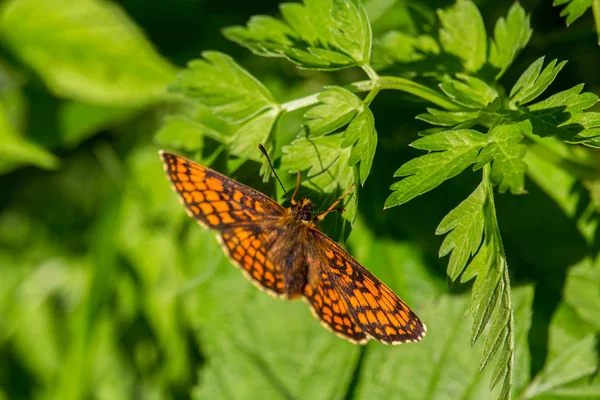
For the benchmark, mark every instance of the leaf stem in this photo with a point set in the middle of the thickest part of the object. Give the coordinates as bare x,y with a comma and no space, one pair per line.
382,82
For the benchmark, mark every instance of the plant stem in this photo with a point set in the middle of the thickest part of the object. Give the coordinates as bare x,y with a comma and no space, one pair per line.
382,82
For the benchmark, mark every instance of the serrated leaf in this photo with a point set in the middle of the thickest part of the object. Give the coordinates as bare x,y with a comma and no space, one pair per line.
561,115
464,226
468,91
337,106
511,35
463,34
220,84
455,151
326,165
533,82
327,34
505,152
396,47
86,50
447,118
257,130
574,9
361,135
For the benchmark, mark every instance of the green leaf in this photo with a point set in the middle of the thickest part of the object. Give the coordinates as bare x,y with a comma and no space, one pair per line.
337,106
326,165
180,132
455,151
443,365
330,34
259,129
16,151
447,118
80,121
463,34
464,226
505,151
576,361
511,35
361,135
469,92
561,115
533,82
228,90
574,9
396,47
86,50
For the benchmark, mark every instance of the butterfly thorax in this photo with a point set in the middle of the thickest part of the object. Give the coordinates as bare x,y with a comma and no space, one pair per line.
302,210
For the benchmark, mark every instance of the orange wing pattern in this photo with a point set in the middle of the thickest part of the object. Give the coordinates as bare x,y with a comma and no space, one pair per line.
215,200
375,310
330,307
248,248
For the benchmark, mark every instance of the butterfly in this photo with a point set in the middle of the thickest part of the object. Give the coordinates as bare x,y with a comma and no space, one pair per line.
282,251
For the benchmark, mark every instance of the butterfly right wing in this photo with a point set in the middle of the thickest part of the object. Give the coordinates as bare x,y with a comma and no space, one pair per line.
373,307
215,200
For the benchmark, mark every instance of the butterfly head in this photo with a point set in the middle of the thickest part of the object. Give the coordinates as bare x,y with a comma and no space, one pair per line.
302,210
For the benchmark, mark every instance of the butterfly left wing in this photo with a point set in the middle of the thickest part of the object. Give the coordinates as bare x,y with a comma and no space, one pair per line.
215,200
373,307
248,248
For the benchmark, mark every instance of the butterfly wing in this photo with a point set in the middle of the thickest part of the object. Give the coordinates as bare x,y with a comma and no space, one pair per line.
248,247
373,307
215,200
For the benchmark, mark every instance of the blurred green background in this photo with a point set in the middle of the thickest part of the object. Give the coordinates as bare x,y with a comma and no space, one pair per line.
109,291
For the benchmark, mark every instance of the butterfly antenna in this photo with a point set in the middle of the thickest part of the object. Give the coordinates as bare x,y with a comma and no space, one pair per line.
264,151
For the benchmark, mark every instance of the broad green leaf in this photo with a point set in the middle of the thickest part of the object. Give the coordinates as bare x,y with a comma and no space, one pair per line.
534,81
16,151
576,361
505,152
80,121
361,135
330,34
87,50
468,91
464,226
284,354
443,365
337,106
326,165
581,292
220,84
455,151
462,34
511,35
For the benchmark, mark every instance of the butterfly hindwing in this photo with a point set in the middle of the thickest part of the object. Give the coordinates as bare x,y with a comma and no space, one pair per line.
374,307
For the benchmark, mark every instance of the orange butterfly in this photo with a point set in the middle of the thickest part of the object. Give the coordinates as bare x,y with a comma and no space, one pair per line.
282,251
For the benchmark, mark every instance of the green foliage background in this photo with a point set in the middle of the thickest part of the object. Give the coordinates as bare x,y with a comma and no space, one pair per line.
108,290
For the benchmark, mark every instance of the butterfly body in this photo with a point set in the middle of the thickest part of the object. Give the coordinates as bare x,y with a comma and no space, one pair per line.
282,251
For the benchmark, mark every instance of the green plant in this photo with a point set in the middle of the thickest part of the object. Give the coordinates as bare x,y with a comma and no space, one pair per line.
107,288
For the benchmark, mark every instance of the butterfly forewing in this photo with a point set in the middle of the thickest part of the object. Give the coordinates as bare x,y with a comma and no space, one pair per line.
215,200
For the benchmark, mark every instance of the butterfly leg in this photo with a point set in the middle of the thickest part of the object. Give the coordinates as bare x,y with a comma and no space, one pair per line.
297,187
